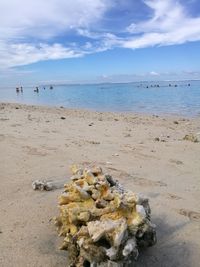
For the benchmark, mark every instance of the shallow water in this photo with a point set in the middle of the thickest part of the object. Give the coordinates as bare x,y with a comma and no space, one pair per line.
128,97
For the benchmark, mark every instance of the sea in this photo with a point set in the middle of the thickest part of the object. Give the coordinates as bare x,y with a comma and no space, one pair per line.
180,98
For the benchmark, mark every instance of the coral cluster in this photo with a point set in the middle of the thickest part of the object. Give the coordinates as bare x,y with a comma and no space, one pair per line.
102,224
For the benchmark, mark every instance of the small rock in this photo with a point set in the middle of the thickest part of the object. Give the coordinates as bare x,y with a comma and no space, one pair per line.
16,107
42,185
62,118
191,137
157,139
176,122
94,142
92,123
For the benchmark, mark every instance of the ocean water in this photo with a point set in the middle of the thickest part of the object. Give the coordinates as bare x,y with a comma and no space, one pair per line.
181,98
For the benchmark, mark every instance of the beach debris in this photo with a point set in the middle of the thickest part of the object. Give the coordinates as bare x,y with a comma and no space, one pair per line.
158,139
62,118
191,137
44,185
176,122
91,124
102,223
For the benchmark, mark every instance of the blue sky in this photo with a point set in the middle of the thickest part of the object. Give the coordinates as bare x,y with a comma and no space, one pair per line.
78,41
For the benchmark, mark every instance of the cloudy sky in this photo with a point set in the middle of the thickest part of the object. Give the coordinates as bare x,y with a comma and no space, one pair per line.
62,41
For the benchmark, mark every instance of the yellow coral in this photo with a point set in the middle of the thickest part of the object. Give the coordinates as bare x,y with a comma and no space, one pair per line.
94,208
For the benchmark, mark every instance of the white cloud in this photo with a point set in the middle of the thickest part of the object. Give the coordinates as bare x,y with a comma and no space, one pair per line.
44,19
170,24
23,54
27,28
154,73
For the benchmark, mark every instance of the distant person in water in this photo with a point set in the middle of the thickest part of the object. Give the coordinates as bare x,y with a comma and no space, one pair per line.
36,90
17,89
51,87
21,89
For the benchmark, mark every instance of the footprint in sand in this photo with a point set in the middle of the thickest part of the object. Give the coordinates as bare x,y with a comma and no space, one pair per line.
34,151
178,162
146,182
192,215
15,125
49,148
145,156
172,196
2,137
137,180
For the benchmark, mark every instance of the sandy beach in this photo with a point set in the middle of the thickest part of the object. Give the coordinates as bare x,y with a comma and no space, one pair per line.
146,154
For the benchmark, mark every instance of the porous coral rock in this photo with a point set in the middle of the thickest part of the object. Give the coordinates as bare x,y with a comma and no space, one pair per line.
103,224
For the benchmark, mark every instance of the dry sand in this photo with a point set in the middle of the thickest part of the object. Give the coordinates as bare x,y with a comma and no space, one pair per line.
35,143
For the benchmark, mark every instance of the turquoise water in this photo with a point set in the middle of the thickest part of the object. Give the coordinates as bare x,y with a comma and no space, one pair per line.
130,97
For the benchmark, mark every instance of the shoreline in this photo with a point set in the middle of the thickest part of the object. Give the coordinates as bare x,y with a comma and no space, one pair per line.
146,153
120,113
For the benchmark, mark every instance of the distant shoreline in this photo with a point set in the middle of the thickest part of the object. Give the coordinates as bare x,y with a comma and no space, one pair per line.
99,83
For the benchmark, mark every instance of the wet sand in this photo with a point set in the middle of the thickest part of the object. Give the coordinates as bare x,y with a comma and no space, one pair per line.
146,153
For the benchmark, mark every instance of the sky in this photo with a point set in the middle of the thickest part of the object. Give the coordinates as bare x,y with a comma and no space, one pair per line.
86,41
